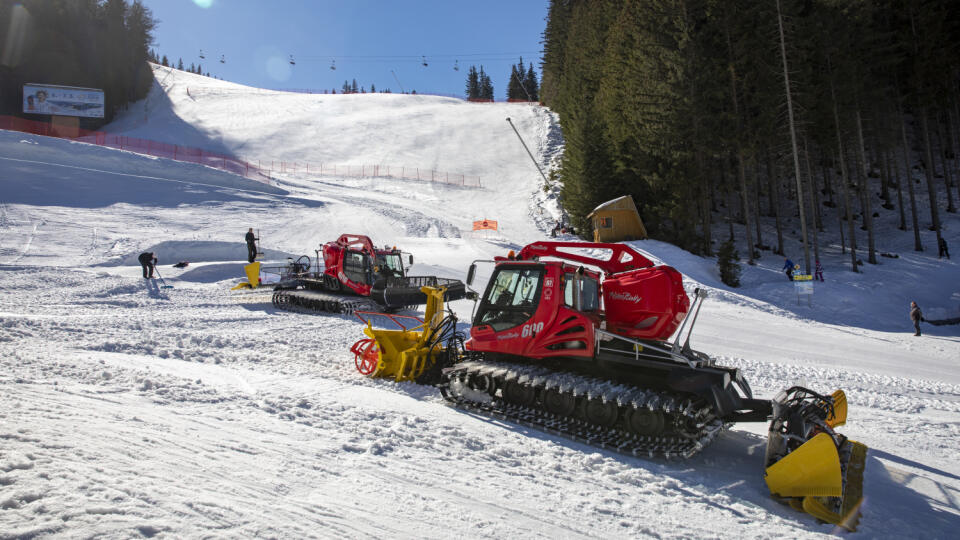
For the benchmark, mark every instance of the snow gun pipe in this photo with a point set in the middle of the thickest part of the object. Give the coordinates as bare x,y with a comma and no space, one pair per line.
527,149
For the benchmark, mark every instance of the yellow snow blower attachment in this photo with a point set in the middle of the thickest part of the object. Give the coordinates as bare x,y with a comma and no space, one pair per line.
404,354
809,466
252,271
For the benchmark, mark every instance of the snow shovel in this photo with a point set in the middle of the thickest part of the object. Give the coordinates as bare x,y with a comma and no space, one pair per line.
165,286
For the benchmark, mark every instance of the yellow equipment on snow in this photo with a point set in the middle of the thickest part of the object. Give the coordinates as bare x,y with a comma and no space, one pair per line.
403,354
252,271
811,467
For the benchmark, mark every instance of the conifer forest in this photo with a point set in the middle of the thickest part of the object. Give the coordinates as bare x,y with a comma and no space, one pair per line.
812,112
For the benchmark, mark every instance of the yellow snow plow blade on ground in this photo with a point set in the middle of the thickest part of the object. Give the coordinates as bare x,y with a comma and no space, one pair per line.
252,271
811,467
404,354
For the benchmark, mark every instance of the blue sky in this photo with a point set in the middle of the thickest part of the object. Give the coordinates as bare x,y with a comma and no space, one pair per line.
376,42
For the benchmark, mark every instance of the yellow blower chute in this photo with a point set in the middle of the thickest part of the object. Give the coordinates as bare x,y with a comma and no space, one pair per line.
809,465
252,271
404,354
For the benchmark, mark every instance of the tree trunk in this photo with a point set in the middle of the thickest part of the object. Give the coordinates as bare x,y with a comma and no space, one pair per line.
813,198
844,182
892,167
756,183
947,176
793,144
775,197
867,195
843,240
917,244
934,211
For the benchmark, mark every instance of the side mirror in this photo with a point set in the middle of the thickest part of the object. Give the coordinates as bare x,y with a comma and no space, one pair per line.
410,258
471,273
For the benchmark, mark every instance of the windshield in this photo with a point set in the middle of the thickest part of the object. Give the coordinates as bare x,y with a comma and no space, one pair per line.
391,264
511,297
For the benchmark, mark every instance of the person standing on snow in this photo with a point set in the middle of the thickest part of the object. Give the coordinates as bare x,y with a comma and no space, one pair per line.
942,244
916,316
251,245
148,260
788,268
818,272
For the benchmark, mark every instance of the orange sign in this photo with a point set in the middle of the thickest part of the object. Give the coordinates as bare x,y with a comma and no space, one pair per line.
485,225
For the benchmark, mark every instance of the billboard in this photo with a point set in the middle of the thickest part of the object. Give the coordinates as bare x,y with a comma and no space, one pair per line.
63,100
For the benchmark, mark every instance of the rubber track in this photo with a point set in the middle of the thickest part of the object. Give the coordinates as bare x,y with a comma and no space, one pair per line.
614,438
304,301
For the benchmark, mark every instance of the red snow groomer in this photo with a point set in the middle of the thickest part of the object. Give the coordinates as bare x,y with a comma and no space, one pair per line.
355,275
575,339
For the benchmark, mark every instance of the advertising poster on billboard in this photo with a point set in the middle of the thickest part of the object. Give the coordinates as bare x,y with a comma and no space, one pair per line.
63,100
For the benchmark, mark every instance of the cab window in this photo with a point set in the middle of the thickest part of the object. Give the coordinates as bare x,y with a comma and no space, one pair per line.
355,266
511,298
589,291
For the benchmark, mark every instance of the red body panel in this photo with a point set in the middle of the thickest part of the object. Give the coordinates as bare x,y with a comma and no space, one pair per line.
640,301
649,303
335,252
552,330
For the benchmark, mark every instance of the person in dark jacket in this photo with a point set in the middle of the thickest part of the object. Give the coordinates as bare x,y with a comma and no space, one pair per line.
942,244
148,260
251,245
788,268
916,316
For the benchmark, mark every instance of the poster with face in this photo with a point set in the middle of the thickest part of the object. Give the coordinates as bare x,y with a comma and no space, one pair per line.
63,100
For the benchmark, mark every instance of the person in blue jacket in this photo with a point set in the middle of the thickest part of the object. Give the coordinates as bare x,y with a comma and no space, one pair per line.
788,268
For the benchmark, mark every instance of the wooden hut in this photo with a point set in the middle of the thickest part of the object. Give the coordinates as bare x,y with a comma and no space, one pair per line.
617,220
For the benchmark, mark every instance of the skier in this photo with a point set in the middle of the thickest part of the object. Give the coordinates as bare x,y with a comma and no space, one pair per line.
943,248
818,272
148,260
916,316
251,245
788,268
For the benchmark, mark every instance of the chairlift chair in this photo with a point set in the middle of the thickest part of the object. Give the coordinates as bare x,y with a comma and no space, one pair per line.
333,65
456,65
424,61
201,54
223,59
292,63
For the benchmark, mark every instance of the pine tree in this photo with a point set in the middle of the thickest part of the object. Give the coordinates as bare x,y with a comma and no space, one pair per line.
373,88
164,61
346,87
486,85
727,258
530,85
354,88
180,64
473,83
515,85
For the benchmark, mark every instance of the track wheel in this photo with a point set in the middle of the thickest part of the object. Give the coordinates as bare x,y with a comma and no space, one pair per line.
602,413
559,403
481,383
645,422
365,355
519,394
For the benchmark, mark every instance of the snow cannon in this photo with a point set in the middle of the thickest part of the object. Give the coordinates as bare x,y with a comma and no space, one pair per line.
808,465
410,352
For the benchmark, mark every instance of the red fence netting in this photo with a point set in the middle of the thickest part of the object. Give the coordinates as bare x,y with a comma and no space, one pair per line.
260,171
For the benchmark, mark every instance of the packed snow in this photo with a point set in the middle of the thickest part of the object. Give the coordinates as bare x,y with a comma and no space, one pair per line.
128,409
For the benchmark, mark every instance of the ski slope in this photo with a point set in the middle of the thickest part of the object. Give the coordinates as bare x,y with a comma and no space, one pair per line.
130,410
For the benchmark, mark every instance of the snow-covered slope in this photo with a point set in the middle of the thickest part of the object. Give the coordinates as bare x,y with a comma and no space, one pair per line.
130,410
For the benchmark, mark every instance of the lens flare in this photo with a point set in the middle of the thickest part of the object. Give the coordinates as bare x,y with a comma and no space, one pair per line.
203,3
